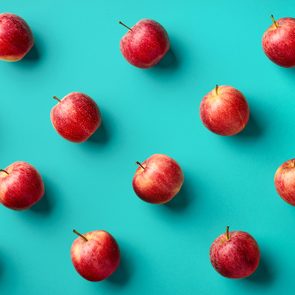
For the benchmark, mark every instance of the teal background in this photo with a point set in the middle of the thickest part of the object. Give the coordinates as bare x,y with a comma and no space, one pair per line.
228,181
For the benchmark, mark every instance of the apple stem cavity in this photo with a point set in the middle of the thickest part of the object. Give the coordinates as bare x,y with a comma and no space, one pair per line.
56,98
125,25
216,89
139,164
2,170
274,21
80,235
227,233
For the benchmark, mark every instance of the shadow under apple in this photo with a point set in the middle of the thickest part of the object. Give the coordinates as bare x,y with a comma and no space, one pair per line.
1,270
4,266
9,268
123,273
287,71
45,205
100,136
253,128
181,201
263,274
33,55
169,61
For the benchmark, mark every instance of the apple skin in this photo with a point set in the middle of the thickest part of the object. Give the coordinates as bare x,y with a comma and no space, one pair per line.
22,187
235,256
224,111
16,38
98,257
278,42
159,181
76,117
145,44
285,181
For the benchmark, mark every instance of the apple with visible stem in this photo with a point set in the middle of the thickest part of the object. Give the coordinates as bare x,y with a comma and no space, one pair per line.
285,181
158,179
16,38
21,186
95,255
224,111
235,254
145,44
278,42
76,117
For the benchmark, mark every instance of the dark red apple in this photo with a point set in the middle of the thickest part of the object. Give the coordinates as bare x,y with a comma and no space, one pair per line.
224,111
76,117
278,42
21,186
16,38
95,255
145,44
285,181
158,179
235,254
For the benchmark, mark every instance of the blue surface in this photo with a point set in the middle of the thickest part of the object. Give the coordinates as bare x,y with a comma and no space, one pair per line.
228,181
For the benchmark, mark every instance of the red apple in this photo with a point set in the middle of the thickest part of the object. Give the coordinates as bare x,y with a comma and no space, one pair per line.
145,44
285,181
278,42
235,254
224,111
76,117
95,255
158,179
21,186
16,38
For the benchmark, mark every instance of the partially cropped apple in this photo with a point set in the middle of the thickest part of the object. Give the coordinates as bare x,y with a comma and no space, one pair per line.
16,38
285,181
76,117
21,186
224,111
95,255
235,254
278,42
145,44
158,179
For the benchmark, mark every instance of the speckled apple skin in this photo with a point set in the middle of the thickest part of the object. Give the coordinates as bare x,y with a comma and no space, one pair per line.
279,43
225,112
22,187
76,117
16,38
160,181
97,258
146,44
237,257
285,181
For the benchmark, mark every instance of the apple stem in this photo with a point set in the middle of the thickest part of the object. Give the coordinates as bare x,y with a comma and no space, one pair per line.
56,98
227,233
139,164
80,235
216,89
274,21
2,170
125,25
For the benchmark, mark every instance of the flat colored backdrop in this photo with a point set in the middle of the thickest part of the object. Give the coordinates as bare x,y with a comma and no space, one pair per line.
228,180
